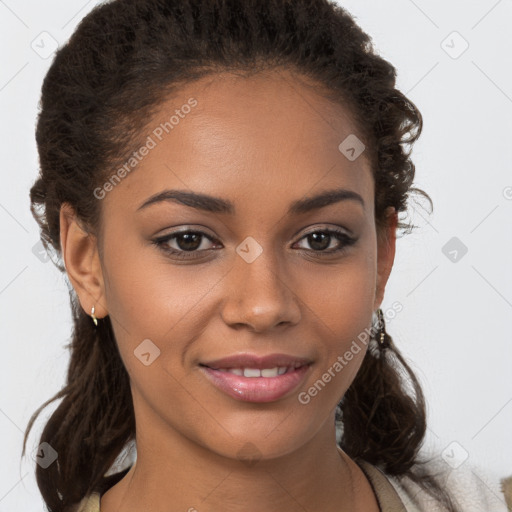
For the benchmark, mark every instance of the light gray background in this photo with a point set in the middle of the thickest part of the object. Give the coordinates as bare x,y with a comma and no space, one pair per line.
455,325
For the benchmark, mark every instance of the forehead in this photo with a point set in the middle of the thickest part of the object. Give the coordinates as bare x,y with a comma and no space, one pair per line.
234,136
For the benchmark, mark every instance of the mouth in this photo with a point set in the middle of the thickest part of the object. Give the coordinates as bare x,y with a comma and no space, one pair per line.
256,372
252,378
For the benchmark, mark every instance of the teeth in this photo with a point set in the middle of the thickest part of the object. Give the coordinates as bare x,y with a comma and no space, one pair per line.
252,372
255,372
271,372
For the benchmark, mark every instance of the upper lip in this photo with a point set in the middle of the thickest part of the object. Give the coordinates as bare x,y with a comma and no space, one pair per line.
257,361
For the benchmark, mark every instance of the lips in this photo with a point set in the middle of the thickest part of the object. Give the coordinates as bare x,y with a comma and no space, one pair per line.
256,378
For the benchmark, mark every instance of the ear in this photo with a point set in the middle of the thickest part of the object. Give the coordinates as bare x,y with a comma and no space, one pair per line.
386,244
82,262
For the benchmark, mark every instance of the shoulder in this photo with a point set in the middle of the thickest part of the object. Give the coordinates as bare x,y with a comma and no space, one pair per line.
470,489
91,503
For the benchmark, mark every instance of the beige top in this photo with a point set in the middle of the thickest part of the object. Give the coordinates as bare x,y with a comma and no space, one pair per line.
387,497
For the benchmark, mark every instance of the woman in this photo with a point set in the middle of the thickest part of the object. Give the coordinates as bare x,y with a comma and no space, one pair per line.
221,183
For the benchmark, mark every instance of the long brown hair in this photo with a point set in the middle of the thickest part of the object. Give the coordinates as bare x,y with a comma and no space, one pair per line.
127,56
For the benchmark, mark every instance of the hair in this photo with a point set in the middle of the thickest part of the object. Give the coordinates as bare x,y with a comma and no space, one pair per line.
136,53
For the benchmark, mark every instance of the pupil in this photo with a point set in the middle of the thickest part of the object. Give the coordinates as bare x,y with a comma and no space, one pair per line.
324,241
191,241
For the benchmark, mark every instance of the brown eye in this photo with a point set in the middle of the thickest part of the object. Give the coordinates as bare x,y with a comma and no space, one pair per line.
184,244
189,241
322,241
319,241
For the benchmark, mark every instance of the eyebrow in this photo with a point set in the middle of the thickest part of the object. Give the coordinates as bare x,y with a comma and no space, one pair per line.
218,205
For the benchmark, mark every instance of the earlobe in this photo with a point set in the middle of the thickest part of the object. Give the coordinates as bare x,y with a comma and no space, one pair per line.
386,246
81,259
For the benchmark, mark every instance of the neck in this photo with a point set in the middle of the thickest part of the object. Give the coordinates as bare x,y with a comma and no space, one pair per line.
180,475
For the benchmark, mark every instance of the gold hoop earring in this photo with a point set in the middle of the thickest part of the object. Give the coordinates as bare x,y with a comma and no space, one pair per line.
383,338
94,319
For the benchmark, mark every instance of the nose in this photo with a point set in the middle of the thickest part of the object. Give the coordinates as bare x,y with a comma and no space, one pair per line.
260,295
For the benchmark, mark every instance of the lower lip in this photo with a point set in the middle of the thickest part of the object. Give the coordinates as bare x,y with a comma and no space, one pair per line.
256,389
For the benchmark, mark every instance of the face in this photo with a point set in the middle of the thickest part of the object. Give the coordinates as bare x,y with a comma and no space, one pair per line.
244,265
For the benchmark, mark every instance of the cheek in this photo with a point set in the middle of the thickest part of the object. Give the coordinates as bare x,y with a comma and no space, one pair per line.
340,308
151,299
341,297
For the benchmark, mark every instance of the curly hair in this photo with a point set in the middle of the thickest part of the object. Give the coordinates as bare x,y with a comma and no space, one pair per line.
123,60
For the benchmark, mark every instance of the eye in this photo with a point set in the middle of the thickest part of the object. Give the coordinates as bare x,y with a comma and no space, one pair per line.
184,244
321,241
188,244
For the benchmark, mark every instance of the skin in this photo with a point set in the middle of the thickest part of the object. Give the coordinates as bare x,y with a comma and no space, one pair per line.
261,142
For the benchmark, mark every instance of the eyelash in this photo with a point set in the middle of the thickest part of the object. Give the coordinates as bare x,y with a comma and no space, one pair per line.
346,242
